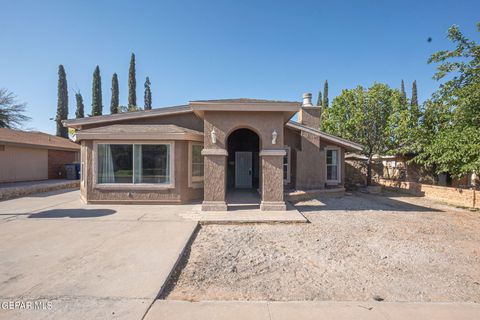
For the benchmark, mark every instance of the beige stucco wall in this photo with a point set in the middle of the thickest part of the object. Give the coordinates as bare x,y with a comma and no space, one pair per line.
179,193
23,164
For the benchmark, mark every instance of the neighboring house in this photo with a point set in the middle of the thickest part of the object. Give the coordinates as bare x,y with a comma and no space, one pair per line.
207,149
31,155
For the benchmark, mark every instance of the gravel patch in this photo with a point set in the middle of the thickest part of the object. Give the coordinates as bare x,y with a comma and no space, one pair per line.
357,247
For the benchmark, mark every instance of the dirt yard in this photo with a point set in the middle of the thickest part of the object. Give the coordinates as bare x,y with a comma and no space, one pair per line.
357,247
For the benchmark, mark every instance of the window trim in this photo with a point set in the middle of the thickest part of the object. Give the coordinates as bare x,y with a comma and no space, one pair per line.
194,182
289,165
138,186
339,169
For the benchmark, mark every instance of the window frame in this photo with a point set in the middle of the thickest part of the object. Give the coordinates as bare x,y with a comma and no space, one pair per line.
194,182
289,165
132,185
339,170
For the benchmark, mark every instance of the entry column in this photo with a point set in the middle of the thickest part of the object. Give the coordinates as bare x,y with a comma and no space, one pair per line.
214,180
272,180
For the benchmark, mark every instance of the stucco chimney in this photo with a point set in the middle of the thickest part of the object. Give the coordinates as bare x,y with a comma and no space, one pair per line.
309,114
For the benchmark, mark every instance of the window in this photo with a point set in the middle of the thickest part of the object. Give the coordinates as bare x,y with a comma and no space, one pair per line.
134,163
286,166
197,162
333,173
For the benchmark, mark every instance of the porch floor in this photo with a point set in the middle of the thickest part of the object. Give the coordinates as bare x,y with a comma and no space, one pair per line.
244,207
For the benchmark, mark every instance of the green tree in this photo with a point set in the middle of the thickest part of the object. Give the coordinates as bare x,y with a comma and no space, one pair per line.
12,113
62,103
402,89
325,95
132,85
147,97
319,100
451,123
364,116
97,105
80,111
114,102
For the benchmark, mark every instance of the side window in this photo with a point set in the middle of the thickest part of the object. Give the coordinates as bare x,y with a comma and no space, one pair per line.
196,162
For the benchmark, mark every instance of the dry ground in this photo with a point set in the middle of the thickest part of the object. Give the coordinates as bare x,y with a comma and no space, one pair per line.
355,248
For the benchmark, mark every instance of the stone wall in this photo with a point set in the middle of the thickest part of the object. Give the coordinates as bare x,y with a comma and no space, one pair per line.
454,196
57,159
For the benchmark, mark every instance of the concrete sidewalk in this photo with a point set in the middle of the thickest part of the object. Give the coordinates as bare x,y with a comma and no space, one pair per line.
219,310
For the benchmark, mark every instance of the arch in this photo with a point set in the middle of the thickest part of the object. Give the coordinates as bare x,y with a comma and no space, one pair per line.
246,140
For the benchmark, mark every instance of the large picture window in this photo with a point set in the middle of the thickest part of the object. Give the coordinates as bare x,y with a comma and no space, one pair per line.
333,173
134,163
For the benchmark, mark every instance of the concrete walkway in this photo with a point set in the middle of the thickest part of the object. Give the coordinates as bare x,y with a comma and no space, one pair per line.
89,262
183,310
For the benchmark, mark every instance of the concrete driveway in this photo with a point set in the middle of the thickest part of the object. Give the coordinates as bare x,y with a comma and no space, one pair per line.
83,262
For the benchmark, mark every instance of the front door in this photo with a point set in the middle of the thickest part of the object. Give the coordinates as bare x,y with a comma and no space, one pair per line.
243,170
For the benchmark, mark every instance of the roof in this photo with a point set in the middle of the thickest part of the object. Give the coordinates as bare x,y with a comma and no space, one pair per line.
328,137
244,100
140,132
77,123
36,139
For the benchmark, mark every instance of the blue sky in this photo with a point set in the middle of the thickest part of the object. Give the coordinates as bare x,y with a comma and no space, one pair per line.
220,49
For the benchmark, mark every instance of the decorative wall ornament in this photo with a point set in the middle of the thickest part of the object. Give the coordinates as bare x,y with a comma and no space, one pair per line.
274,136
213,136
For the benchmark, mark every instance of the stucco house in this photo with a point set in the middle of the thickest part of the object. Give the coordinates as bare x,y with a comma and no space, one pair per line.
33,155
206,150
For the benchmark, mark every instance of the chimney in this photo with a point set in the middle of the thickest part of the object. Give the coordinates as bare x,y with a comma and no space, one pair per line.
309,114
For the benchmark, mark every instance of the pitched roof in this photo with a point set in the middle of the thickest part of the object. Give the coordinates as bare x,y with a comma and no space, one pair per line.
140,131
328,137
243,100
76,123
36,139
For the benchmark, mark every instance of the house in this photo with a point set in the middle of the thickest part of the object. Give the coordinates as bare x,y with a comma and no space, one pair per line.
32,155
206,150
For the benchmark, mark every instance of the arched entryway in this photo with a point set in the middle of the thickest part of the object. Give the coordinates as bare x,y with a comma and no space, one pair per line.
243,168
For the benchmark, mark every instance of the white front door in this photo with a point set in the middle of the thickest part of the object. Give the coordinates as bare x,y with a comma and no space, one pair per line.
243,170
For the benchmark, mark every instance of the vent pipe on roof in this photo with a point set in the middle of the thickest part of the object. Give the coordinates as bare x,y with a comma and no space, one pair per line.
307,100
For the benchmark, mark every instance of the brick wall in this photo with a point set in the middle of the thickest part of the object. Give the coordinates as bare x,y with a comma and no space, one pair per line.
56,161
455,196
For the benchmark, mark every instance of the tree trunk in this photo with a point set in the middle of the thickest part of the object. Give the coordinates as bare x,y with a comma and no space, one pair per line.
369,171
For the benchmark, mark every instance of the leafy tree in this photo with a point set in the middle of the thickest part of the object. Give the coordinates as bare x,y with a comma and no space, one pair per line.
12,113
147,96
62,103
451,123
365,116
319,100
114,102
132,85
80,112
325,95
97,105
402,89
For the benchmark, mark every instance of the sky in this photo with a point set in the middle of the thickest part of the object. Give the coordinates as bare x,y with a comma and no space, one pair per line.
195,50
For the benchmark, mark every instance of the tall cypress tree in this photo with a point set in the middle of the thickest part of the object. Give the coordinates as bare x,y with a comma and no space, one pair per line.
414,101
80,112
325,95
402,90
319,100
62,102
132,85
147,97
97,105
114,103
